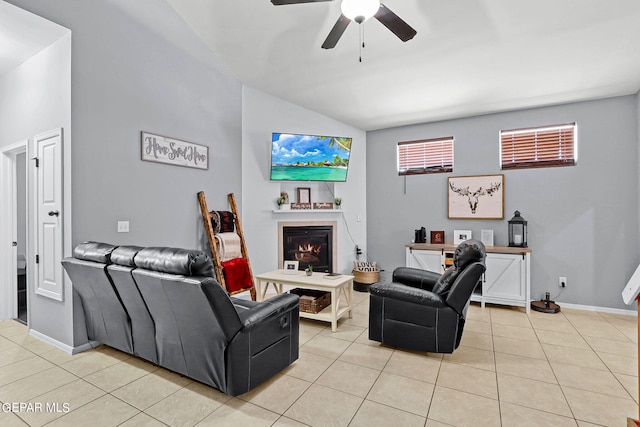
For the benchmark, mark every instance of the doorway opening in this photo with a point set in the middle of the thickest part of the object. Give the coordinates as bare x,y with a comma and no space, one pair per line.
13,190
21,235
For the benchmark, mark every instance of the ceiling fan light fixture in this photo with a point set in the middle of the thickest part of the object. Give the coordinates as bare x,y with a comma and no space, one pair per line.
359,10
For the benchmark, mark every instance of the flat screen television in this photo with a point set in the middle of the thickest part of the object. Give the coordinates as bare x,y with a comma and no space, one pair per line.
296,157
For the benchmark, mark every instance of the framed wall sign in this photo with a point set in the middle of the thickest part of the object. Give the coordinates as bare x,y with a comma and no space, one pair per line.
162,149
304,195
476,197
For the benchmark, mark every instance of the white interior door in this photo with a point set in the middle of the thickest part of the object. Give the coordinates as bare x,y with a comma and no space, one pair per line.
49,215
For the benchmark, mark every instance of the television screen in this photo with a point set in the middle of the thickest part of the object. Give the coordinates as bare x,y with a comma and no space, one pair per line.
309,157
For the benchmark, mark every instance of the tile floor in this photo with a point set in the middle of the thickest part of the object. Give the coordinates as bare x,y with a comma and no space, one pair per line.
575,368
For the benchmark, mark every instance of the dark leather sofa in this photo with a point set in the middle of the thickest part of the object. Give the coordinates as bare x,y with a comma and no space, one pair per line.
164,305
424,310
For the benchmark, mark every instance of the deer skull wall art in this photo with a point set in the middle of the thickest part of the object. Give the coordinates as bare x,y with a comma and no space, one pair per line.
476,197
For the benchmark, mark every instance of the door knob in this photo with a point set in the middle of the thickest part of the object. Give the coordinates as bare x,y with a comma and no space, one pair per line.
54,213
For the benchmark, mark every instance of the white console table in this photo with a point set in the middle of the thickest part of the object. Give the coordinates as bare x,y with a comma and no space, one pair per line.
506,281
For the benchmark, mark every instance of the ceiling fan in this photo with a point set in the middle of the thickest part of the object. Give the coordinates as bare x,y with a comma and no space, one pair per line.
359,11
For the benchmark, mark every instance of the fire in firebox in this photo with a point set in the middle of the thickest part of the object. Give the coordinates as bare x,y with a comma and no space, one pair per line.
308,253
309,245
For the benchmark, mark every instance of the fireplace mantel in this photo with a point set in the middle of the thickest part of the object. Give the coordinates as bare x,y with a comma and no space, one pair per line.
306,211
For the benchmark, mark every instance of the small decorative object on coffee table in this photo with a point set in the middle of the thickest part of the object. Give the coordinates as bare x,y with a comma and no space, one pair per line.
309,270
290,267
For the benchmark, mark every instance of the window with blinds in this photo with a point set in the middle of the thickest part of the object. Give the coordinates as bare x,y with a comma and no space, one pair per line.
425,156
547,146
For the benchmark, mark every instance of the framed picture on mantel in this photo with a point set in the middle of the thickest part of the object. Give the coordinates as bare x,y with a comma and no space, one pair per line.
304,195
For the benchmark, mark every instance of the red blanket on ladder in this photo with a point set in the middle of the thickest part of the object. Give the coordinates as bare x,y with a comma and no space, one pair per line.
236,274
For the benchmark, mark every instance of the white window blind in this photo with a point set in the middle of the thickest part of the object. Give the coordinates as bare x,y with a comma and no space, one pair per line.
425,156
539,147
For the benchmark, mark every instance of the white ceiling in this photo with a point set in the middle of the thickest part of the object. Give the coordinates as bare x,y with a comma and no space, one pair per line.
468,58
22,35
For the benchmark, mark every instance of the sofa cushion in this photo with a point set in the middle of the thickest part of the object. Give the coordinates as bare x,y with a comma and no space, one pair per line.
94,251
176,261
124,255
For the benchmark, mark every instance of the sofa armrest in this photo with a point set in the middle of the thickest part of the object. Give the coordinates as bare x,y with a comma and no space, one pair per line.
261,312
415,277
406,293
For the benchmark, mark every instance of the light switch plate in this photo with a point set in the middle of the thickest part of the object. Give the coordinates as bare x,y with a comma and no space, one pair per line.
123,226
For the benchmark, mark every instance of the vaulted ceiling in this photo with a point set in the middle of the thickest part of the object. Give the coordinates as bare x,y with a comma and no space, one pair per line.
468,57
23,35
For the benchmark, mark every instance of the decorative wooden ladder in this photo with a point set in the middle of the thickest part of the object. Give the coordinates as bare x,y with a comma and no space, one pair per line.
217,262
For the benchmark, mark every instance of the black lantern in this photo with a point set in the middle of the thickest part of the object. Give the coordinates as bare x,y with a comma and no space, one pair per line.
518,231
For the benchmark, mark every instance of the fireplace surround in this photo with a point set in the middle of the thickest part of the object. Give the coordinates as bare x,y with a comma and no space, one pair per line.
310,243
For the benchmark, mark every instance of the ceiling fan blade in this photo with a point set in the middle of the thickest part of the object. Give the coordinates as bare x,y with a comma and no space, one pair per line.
283,2
394,23
336,32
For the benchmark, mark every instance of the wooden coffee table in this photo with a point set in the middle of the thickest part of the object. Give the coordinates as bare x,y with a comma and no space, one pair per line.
341,289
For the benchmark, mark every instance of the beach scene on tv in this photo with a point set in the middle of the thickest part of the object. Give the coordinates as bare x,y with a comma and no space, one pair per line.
309,157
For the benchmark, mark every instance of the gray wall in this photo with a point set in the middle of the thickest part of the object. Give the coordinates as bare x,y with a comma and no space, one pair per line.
583,220
155,75
130,75
34,98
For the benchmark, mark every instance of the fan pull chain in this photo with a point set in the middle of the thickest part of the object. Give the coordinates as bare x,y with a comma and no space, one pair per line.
361,32
360,42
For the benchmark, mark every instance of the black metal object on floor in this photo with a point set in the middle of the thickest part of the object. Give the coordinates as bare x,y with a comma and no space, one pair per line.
545,305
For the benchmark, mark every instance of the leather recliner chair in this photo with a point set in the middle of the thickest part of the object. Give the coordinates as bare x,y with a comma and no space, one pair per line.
423,310
201,332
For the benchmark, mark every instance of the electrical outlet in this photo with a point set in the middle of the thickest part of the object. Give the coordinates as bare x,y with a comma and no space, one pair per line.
562,282
123,226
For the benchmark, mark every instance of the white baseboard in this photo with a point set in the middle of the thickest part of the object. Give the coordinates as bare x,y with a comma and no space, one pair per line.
62,346
600,309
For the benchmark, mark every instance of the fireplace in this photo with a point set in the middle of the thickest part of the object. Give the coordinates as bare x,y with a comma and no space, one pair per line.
310,243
